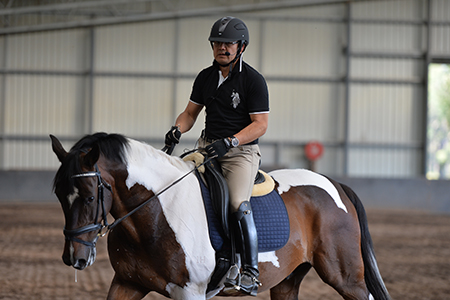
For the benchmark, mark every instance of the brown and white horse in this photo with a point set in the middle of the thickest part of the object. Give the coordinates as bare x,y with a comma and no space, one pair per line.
164,246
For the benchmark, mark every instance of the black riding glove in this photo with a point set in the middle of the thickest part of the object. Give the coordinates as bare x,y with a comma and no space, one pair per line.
173,136
219,148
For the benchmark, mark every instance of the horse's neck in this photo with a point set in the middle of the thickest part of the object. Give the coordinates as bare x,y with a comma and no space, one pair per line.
152,168
149,172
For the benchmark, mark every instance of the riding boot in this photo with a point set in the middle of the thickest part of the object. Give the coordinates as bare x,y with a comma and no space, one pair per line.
248,281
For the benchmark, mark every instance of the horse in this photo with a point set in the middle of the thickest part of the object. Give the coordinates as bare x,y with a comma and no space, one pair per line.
163,245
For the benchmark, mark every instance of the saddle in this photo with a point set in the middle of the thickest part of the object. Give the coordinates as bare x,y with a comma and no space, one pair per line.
218,187
271,218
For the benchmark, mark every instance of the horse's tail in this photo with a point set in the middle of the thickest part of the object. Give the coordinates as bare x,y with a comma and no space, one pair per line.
372,275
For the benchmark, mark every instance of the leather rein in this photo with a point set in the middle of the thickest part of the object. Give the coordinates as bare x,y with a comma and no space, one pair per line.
103,227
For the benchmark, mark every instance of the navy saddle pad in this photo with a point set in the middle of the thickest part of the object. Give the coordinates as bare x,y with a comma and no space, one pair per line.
271,220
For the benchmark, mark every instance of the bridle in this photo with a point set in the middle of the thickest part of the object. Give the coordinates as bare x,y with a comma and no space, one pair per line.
71,234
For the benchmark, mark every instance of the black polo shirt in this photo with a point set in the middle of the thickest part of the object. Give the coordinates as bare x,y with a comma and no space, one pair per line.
228,107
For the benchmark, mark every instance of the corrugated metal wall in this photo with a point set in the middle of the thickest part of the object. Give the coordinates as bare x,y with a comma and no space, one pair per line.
356,84
387,101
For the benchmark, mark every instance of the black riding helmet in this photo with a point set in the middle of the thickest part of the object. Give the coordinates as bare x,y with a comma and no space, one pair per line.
230,29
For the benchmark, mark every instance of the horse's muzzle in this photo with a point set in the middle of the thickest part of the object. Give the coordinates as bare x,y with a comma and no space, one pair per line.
79,263
78,256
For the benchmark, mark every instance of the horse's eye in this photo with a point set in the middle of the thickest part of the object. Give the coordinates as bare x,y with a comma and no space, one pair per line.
90,199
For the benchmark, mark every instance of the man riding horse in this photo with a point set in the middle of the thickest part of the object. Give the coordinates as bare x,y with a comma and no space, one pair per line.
236,100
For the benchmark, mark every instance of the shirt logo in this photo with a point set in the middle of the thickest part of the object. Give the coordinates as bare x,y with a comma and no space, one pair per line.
235,100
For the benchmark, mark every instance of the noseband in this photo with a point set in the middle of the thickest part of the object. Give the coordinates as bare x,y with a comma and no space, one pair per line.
71,234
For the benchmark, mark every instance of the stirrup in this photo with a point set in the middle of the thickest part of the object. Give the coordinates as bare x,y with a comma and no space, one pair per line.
252,288
233,280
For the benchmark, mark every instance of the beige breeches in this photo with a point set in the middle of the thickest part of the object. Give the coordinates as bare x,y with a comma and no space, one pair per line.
239,167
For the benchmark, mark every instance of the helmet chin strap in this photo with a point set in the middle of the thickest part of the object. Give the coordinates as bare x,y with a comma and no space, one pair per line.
234,60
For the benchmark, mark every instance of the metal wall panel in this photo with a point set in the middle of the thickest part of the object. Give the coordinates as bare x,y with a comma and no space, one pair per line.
48,51
31,19
440,45
387,38
399,10
440,10
387,69
30,155
303,49
132,106
39,105
330,10
388,114
379,162
386,107
194,51
43,93
292,156
300,112
140,47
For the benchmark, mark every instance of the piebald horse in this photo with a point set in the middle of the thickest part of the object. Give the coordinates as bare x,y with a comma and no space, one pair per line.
164,246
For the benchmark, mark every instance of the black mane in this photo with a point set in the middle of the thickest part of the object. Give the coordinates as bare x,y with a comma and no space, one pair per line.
112,147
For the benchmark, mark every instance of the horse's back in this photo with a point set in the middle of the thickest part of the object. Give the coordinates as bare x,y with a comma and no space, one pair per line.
319,210
309,188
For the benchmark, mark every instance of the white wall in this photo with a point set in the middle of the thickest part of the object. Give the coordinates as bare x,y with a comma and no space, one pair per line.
135,78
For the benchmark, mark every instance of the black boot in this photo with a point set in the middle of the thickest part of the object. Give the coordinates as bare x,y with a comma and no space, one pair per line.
248,281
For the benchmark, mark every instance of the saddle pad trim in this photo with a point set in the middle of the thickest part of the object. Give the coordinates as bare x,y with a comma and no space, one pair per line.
265,187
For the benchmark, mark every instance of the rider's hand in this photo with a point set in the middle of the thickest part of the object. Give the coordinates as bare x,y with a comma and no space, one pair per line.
173,136
219,148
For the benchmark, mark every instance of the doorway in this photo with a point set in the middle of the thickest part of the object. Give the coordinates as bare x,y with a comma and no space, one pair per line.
438,128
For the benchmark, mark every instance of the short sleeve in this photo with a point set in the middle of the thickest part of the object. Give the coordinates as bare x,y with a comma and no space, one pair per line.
258,95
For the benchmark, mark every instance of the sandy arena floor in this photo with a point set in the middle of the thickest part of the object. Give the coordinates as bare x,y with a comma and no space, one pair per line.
413,252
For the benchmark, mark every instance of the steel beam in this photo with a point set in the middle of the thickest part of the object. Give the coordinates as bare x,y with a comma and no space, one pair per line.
66,6
346,141
322,79
189,13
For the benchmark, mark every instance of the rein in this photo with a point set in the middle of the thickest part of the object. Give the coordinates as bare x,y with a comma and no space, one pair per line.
71,234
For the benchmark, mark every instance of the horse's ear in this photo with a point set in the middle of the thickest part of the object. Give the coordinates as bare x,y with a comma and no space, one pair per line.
92,156
58,148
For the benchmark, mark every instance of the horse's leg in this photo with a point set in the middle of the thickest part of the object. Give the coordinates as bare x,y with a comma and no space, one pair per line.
288,289
124,290
340,265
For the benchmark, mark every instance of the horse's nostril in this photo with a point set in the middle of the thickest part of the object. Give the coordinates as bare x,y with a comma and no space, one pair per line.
80,264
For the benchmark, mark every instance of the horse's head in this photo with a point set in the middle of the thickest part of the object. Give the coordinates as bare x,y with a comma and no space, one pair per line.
85,198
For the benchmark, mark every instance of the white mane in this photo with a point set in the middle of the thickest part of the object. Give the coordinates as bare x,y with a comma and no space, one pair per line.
152,168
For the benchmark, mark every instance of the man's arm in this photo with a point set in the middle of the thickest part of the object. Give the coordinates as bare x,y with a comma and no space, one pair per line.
255,129
187,118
